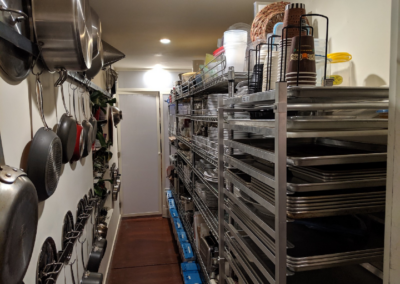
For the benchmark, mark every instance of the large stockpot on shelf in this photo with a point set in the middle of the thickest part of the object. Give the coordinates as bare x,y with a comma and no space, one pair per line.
63,28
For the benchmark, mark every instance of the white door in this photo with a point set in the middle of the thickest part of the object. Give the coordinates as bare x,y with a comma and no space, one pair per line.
140,154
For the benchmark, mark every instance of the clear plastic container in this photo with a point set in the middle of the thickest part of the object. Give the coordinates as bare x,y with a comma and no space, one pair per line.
341,68
235,36
235,56
320,68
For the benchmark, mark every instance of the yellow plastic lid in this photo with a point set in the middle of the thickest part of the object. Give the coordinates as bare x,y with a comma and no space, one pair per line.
340,57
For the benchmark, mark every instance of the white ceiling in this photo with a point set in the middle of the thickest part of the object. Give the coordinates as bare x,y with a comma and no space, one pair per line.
135,27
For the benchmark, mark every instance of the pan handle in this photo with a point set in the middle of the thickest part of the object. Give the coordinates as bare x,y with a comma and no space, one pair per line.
39,99
59,83
2,160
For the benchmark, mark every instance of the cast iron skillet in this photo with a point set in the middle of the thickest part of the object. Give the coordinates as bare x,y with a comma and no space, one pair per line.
78,150
87,132
45,155
66,129
18,209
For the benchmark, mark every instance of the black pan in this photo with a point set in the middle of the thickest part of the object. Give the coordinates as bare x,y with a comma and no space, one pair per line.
18,209
93,121
45,155
48,254
90,277
87,132
66,128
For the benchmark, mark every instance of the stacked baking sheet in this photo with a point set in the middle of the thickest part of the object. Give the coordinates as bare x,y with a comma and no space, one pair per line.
204,193
335,240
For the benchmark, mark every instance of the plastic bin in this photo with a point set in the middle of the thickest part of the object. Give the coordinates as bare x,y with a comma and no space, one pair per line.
169,194
171,203
190,266
182,237
174,213
192,277
187,252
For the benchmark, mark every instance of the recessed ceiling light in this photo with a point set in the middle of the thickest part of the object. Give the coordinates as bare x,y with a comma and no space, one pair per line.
165,40
158,54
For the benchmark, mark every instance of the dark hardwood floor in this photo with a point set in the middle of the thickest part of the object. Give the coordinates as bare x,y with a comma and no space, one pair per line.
145,253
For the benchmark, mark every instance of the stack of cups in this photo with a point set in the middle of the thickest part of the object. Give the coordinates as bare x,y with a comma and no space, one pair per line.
235,44
302,69
270,71
284,45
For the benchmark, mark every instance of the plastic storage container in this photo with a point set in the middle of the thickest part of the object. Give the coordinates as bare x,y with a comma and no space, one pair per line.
187,252
174,213
169,194
171,203
189,266
235,44
341,68
235,36
182,237
192,277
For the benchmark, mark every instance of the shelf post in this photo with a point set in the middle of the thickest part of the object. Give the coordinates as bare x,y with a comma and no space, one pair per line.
221,190
280,182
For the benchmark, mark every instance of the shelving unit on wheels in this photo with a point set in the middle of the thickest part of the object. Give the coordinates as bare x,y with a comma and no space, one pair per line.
303,174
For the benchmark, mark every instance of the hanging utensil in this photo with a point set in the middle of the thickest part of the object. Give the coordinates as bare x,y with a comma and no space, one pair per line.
79,142
66,129
117,115
87,131
45,154
65,29
93,121
18,222
110,124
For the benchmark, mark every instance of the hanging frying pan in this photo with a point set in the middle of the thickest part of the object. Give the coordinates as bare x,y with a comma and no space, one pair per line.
79,146
87,132
45,155
66,129
18,222
48,255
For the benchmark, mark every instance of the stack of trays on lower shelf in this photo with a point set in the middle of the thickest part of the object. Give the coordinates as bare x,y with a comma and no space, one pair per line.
332,188
209,199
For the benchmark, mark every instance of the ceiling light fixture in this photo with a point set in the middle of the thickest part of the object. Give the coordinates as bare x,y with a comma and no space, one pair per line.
165,41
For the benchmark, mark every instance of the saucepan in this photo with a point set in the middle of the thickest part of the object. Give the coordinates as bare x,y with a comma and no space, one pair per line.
97,254
90,277
63,29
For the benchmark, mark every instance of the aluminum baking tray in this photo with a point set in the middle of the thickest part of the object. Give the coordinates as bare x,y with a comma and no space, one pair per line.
329,248
349,274
313,151
295,124
265,174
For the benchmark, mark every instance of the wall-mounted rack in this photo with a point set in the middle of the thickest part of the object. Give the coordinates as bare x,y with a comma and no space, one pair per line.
32,48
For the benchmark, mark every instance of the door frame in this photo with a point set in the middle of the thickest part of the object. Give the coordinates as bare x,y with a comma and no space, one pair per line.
121,92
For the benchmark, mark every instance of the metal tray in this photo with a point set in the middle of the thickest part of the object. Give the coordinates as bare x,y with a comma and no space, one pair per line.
344,170
313,151
265,174
315,124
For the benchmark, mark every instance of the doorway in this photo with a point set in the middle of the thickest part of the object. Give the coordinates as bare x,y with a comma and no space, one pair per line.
140,154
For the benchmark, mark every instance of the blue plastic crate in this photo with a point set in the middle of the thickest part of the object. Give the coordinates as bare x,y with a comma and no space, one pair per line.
171,203
188,254
169,194
192,277
190,266
178,224
182,237
174,213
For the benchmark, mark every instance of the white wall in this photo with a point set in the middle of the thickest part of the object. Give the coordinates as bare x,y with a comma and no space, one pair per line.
19,121
362,28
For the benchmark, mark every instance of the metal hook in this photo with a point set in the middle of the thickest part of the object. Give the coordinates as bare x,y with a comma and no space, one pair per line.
40,44
82,242
68,264
50,279
62,78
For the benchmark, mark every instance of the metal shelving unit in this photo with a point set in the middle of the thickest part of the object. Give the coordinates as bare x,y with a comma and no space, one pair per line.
256,249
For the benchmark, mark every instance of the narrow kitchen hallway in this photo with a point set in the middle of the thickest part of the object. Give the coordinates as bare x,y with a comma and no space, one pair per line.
145,253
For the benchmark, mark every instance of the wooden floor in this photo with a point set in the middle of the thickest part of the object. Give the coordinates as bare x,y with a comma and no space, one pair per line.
145,253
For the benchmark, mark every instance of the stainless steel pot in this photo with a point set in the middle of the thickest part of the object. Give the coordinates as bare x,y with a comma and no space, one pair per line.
15,64
102,230
64,27
98,56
